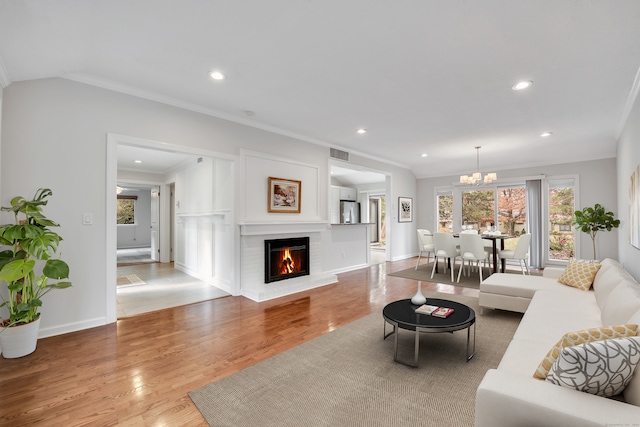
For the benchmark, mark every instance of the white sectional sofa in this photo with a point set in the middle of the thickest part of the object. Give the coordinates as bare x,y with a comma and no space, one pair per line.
510,396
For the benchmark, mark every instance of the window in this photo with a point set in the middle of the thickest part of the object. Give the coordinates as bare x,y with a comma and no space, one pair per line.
445,211
561,207
478,209
512,210
126,210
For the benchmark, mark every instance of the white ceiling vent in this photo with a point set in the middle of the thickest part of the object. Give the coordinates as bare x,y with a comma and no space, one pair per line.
339,154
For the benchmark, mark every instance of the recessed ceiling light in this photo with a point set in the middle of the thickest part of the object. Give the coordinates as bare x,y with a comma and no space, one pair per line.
424,155
217,75
361,131
137,161
522,85
546,134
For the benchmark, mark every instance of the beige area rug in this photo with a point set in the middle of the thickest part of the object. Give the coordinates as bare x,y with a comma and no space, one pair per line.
129,280
348,378
423,273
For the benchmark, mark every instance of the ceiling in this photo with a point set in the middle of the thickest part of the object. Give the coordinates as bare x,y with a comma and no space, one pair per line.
140,159
422,76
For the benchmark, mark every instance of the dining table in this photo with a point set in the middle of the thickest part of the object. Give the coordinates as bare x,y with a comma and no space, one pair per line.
495,239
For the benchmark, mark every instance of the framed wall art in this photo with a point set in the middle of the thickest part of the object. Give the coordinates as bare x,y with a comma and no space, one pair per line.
284,195
405,209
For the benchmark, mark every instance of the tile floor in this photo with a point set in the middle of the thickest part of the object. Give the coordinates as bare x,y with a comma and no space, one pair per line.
163,287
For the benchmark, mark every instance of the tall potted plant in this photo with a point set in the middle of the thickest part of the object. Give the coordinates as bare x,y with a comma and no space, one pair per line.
591,220
26,268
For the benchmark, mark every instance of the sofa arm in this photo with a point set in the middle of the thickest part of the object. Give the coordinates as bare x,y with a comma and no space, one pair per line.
552,272
505,399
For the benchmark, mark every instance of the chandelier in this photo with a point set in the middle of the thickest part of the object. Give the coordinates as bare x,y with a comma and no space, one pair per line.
476,177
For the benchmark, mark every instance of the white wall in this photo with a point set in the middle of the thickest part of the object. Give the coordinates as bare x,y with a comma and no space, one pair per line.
597,182
628,157
137,235
61,127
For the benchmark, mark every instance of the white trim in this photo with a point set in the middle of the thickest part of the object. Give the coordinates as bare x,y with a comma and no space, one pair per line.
111,228
264,228
72,327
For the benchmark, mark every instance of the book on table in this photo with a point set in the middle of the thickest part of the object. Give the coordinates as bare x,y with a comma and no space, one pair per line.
442,312
434,310
426,309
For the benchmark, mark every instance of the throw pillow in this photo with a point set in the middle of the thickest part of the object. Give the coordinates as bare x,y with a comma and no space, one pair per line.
580,337
579,274
603,368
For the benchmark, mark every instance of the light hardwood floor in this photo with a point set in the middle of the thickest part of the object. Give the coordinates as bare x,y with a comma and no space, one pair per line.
138,371
162,287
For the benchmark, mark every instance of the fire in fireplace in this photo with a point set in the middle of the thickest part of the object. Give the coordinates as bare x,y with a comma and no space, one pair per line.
286,258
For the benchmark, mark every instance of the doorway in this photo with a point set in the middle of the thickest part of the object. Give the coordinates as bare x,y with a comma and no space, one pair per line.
153,286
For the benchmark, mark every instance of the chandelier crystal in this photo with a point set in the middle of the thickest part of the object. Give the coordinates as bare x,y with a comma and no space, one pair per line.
476,177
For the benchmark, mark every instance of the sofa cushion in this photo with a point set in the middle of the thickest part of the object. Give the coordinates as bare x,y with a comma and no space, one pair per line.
608,277
518,285
603,368
621,303
579,274
580,337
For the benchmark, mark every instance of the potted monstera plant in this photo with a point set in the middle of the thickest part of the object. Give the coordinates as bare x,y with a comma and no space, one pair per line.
29,269
593,219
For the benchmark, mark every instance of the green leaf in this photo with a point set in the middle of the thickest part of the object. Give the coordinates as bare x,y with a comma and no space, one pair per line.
16,270
60,285
56,269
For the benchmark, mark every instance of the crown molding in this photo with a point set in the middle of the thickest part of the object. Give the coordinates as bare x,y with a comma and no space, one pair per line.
110,85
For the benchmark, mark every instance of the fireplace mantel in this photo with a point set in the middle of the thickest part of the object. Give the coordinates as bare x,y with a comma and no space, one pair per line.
266,228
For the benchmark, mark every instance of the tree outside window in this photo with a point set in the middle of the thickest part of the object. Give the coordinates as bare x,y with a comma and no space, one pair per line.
561,232
445,213
512,210
478,209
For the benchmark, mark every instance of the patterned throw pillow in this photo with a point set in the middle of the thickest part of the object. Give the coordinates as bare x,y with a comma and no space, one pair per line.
603,368
579,274
580,337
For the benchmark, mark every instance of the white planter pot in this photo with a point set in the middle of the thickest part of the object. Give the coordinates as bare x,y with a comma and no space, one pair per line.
18,341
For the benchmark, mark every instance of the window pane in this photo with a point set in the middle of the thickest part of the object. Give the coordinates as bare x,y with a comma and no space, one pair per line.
512,210
561,232
445,213
478,209
126,211
512,213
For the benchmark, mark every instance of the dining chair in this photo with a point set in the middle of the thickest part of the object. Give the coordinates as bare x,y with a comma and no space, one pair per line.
445,247
425,244
471,231
521,252
472,249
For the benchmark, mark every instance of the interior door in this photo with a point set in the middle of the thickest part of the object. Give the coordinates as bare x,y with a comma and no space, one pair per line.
155,223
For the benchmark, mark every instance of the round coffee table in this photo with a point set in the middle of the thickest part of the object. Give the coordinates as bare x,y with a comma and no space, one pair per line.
401,314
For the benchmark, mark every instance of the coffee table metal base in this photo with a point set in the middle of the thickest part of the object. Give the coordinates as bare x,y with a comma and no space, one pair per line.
418,329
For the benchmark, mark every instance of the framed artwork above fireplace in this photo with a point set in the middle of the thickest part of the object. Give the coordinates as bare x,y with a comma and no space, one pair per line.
284,195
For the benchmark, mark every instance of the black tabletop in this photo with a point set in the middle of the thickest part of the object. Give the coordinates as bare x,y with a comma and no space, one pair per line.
403,313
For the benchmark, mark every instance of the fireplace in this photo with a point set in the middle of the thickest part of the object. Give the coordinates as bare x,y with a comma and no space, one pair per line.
286,258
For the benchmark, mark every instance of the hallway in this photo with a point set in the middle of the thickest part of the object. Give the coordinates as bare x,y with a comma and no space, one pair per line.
145,286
